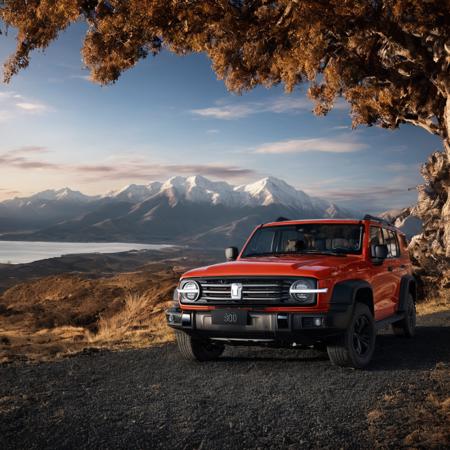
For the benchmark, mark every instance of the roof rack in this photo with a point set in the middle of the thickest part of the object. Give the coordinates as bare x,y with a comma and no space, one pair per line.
377,219
281,219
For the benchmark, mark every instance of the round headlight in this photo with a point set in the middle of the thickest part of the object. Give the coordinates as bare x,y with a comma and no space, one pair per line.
190,291
300,291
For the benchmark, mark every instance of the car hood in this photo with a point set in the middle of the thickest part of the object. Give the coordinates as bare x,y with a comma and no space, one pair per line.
319,266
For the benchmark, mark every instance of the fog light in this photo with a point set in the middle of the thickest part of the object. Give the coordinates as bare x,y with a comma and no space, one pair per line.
318,321
186,320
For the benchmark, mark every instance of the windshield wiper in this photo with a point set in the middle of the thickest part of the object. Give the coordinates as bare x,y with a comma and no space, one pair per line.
275,254
324,252
309,252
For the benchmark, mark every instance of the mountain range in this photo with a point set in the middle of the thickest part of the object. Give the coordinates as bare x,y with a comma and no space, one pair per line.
191,210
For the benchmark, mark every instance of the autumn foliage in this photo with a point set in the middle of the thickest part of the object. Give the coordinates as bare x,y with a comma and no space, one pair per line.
388,58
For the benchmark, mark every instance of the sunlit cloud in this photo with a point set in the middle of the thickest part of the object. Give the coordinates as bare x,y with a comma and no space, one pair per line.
357,194
13,105
231,111
27,158
19,158
341,127
276,105
81,77
32,107
340,144
227,112
369,194
148,171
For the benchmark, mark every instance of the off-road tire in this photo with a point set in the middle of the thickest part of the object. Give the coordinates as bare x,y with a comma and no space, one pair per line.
407,326
195,349
355,348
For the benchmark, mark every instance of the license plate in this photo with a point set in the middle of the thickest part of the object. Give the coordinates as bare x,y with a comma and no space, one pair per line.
229,317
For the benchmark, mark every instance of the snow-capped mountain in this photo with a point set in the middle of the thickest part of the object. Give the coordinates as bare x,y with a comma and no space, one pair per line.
50,195
270,191
181,209
135,192
198,189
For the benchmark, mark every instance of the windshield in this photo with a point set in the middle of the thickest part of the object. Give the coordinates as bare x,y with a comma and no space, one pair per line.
306,238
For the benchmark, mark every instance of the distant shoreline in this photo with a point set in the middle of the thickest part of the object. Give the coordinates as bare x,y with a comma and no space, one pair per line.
24,252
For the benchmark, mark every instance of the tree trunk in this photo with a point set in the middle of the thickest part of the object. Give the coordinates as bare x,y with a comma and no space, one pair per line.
431,249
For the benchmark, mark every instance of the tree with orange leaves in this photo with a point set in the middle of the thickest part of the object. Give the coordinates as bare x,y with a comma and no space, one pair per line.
388,58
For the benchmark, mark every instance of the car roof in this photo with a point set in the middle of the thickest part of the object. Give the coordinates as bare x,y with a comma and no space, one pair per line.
302,221
331,221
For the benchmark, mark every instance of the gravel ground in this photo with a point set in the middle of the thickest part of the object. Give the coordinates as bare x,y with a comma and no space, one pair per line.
251,398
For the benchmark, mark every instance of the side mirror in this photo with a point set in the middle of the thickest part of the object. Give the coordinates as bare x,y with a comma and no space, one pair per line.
231,253
380,252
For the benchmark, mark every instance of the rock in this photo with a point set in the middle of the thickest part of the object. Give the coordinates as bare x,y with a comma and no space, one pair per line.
430,250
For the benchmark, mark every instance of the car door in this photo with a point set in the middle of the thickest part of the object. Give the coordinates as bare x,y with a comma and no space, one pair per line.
381,281
395,270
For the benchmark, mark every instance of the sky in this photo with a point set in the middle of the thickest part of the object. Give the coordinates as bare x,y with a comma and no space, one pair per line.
170,115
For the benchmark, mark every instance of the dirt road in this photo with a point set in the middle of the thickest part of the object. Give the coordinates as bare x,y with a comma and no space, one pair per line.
251,398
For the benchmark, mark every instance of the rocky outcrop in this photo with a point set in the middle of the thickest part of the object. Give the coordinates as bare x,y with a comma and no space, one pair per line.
430,250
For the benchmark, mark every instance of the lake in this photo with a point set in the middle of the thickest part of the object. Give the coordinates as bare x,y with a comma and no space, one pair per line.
16,252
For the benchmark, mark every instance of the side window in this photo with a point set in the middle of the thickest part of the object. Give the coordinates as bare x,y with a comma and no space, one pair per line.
376,238
390,240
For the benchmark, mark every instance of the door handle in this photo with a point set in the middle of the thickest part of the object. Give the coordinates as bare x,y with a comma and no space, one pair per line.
390,268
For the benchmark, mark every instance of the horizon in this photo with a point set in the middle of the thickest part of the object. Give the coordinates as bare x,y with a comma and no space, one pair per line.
170,116
112,193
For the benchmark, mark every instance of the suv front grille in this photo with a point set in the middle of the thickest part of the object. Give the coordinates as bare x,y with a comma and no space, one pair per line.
254,290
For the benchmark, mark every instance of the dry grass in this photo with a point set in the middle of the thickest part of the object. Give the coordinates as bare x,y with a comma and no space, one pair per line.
139,323
434,304
60,315
415,416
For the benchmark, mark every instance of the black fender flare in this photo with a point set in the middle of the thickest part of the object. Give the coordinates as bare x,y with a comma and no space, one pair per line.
342,302
407,285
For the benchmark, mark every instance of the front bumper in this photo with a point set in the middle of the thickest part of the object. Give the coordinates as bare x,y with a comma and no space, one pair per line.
286,327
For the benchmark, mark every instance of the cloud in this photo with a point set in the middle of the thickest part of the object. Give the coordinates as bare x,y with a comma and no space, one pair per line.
23,158
340,144
32,107
370,199
276,105
341,127
81,77
13,105
370,193
146,171
229,111
135,168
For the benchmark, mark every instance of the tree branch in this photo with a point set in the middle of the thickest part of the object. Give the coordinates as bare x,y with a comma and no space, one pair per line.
425,124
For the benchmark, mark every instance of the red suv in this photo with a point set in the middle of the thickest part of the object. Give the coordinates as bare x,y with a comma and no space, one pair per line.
324,283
